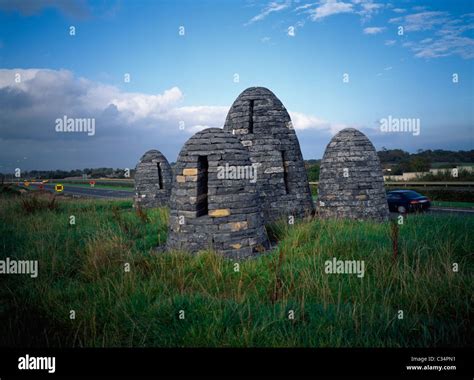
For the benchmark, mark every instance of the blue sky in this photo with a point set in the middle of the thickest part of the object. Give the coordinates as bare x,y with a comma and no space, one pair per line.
190,78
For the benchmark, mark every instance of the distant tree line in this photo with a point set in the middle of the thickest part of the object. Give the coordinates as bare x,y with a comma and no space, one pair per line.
397,160
60,174
395,156
400,161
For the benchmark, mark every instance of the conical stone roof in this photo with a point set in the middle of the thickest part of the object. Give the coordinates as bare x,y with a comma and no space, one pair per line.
153,178
262,124
214,202
351,184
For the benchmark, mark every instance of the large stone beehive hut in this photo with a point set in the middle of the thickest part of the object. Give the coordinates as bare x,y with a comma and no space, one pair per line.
264,127
210,208
153,178
350,181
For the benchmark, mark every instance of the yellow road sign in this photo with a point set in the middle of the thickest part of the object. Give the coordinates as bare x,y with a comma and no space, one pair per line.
58,187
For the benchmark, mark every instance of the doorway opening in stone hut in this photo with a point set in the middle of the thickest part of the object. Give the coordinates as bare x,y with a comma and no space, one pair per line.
250,128
284,162
160,176
202,178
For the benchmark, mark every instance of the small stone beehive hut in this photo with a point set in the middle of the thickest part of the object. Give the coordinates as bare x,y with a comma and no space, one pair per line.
350,181
264,126
153,178
213,203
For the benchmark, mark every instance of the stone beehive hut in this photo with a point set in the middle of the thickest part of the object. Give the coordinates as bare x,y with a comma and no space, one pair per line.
212,206
350,181
261,122
153,178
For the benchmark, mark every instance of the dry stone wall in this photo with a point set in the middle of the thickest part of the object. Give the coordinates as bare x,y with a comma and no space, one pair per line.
153,179
209,206
262,124
351,182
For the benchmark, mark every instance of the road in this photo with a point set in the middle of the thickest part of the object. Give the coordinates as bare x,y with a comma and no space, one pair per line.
106,193
88,191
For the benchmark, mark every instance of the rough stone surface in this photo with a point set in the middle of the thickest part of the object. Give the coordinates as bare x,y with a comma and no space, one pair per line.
209,210
351,181
261,122
153,179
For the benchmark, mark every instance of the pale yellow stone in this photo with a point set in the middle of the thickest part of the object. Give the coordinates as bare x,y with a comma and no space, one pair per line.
180,178
192,171
236,246
237,226
219,213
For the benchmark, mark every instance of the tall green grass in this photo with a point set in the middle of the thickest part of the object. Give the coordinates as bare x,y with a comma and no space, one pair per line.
81,268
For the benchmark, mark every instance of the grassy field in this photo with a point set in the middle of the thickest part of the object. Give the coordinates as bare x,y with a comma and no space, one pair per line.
98,186
124,185
82,268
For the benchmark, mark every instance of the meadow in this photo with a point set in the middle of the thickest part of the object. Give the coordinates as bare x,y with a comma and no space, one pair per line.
178,300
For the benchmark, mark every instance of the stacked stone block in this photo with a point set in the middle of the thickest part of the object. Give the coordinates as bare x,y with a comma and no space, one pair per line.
351,182
261,122
208,210
153,179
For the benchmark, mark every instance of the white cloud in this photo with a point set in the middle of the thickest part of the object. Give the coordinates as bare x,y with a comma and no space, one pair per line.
399,10
144,105
325,8
303,121
448,38
303,7
367,8
421,21
127,123
39,90
8,77
329,8
445,46
199,116
373,30
390,42
270,8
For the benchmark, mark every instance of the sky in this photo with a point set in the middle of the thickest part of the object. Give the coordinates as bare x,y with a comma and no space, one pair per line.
150,74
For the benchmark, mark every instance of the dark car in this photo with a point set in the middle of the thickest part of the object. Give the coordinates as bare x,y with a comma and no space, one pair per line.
403,201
